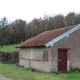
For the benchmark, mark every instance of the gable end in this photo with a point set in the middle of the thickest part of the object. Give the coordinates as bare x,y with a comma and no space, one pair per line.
62,36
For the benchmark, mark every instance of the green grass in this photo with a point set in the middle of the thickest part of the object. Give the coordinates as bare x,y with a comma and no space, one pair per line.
10,47
17,73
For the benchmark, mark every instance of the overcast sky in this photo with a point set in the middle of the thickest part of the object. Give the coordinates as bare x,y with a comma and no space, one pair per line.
29,9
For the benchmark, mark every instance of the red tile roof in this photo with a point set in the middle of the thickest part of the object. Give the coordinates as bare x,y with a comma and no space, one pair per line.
43,38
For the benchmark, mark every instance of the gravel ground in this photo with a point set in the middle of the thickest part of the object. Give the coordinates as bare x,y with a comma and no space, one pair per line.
4,78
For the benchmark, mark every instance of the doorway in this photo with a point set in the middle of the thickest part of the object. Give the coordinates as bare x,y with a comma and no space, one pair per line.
62,60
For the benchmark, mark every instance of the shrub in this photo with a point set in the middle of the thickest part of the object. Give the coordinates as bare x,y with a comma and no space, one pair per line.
30,69
76,69
20,66
54,72
9,57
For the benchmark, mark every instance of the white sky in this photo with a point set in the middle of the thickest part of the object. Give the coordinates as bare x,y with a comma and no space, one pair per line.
28,9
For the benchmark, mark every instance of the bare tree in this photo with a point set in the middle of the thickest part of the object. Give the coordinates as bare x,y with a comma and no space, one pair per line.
58,21
18,30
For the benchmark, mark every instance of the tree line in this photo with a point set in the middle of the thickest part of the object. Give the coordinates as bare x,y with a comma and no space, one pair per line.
20,30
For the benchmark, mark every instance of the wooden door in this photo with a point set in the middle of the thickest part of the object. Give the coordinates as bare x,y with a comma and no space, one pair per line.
62,61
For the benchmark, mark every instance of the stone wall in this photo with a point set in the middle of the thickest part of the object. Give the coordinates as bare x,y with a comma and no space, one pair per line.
73,55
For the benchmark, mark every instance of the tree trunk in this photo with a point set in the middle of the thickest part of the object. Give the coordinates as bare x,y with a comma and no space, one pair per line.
1,46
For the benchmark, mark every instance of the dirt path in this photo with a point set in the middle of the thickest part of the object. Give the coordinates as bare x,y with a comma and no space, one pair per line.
4,78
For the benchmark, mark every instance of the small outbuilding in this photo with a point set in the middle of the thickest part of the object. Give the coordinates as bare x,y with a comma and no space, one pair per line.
57,49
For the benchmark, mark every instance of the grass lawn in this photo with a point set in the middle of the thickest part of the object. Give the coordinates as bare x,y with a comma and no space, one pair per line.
10,47
17,73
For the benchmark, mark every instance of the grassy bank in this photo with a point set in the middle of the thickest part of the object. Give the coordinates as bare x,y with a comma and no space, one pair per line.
17,73
10,47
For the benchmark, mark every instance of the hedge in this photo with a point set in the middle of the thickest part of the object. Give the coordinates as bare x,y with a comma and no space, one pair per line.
9,57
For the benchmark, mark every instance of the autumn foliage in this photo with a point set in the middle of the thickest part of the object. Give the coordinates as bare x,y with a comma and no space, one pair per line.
20,30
